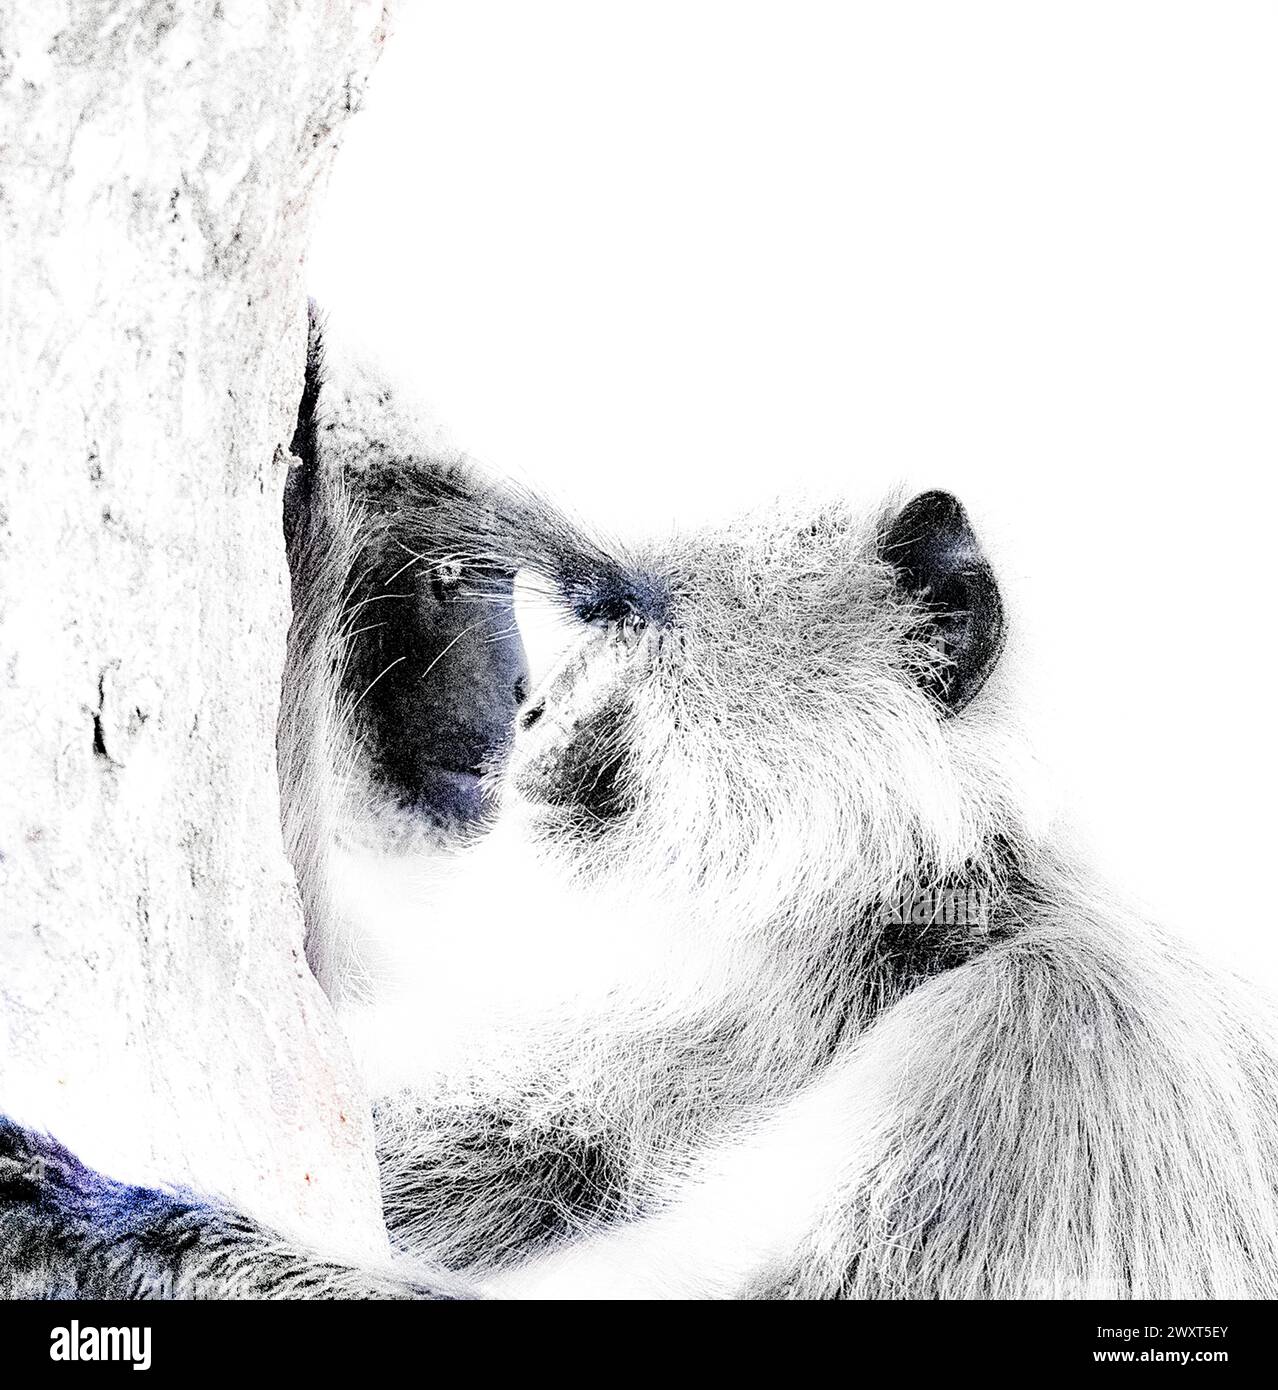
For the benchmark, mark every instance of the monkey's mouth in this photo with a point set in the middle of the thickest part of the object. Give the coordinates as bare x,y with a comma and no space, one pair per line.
472,774
450,795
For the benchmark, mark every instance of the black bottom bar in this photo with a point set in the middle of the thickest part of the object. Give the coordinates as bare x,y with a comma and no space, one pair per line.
599,1342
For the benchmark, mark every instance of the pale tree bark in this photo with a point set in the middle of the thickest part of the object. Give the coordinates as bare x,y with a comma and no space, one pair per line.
158,166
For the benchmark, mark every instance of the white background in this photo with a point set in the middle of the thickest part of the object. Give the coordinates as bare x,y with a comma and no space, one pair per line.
672,258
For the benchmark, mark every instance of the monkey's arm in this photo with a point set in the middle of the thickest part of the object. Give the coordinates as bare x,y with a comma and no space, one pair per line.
68,1232
474,1187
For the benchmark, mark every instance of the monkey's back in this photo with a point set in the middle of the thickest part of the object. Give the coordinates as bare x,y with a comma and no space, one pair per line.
1083,1111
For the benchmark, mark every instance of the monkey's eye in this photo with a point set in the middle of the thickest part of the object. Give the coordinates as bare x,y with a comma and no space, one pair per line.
632,626
445,579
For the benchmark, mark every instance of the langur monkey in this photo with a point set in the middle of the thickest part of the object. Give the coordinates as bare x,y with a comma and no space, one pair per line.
767,979
731,961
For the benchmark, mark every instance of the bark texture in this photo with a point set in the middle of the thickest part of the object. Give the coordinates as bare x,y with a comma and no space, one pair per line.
158,165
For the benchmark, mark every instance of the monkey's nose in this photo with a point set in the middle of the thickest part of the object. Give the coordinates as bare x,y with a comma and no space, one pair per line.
531,715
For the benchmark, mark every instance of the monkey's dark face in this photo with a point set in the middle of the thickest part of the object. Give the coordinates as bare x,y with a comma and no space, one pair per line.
436,672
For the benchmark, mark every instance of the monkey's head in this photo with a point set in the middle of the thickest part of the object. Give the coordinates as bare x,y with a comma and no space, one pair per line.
774,706
416,643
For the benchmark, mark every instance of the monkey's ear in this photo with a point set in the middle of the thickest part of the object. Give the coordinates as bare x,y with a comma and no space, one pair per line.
939,561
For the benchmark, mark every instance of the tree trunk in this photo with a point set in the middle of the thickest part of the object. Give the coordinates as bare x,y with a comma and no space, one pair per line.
156,1013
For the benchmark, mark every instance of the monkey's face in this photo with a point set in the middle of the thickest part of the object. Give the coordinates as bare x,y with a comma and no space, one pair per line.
574,738
435,672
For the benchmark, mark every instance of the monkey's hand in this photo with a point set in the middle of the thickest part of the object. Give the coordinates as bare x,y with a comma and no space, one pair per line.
68,1232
